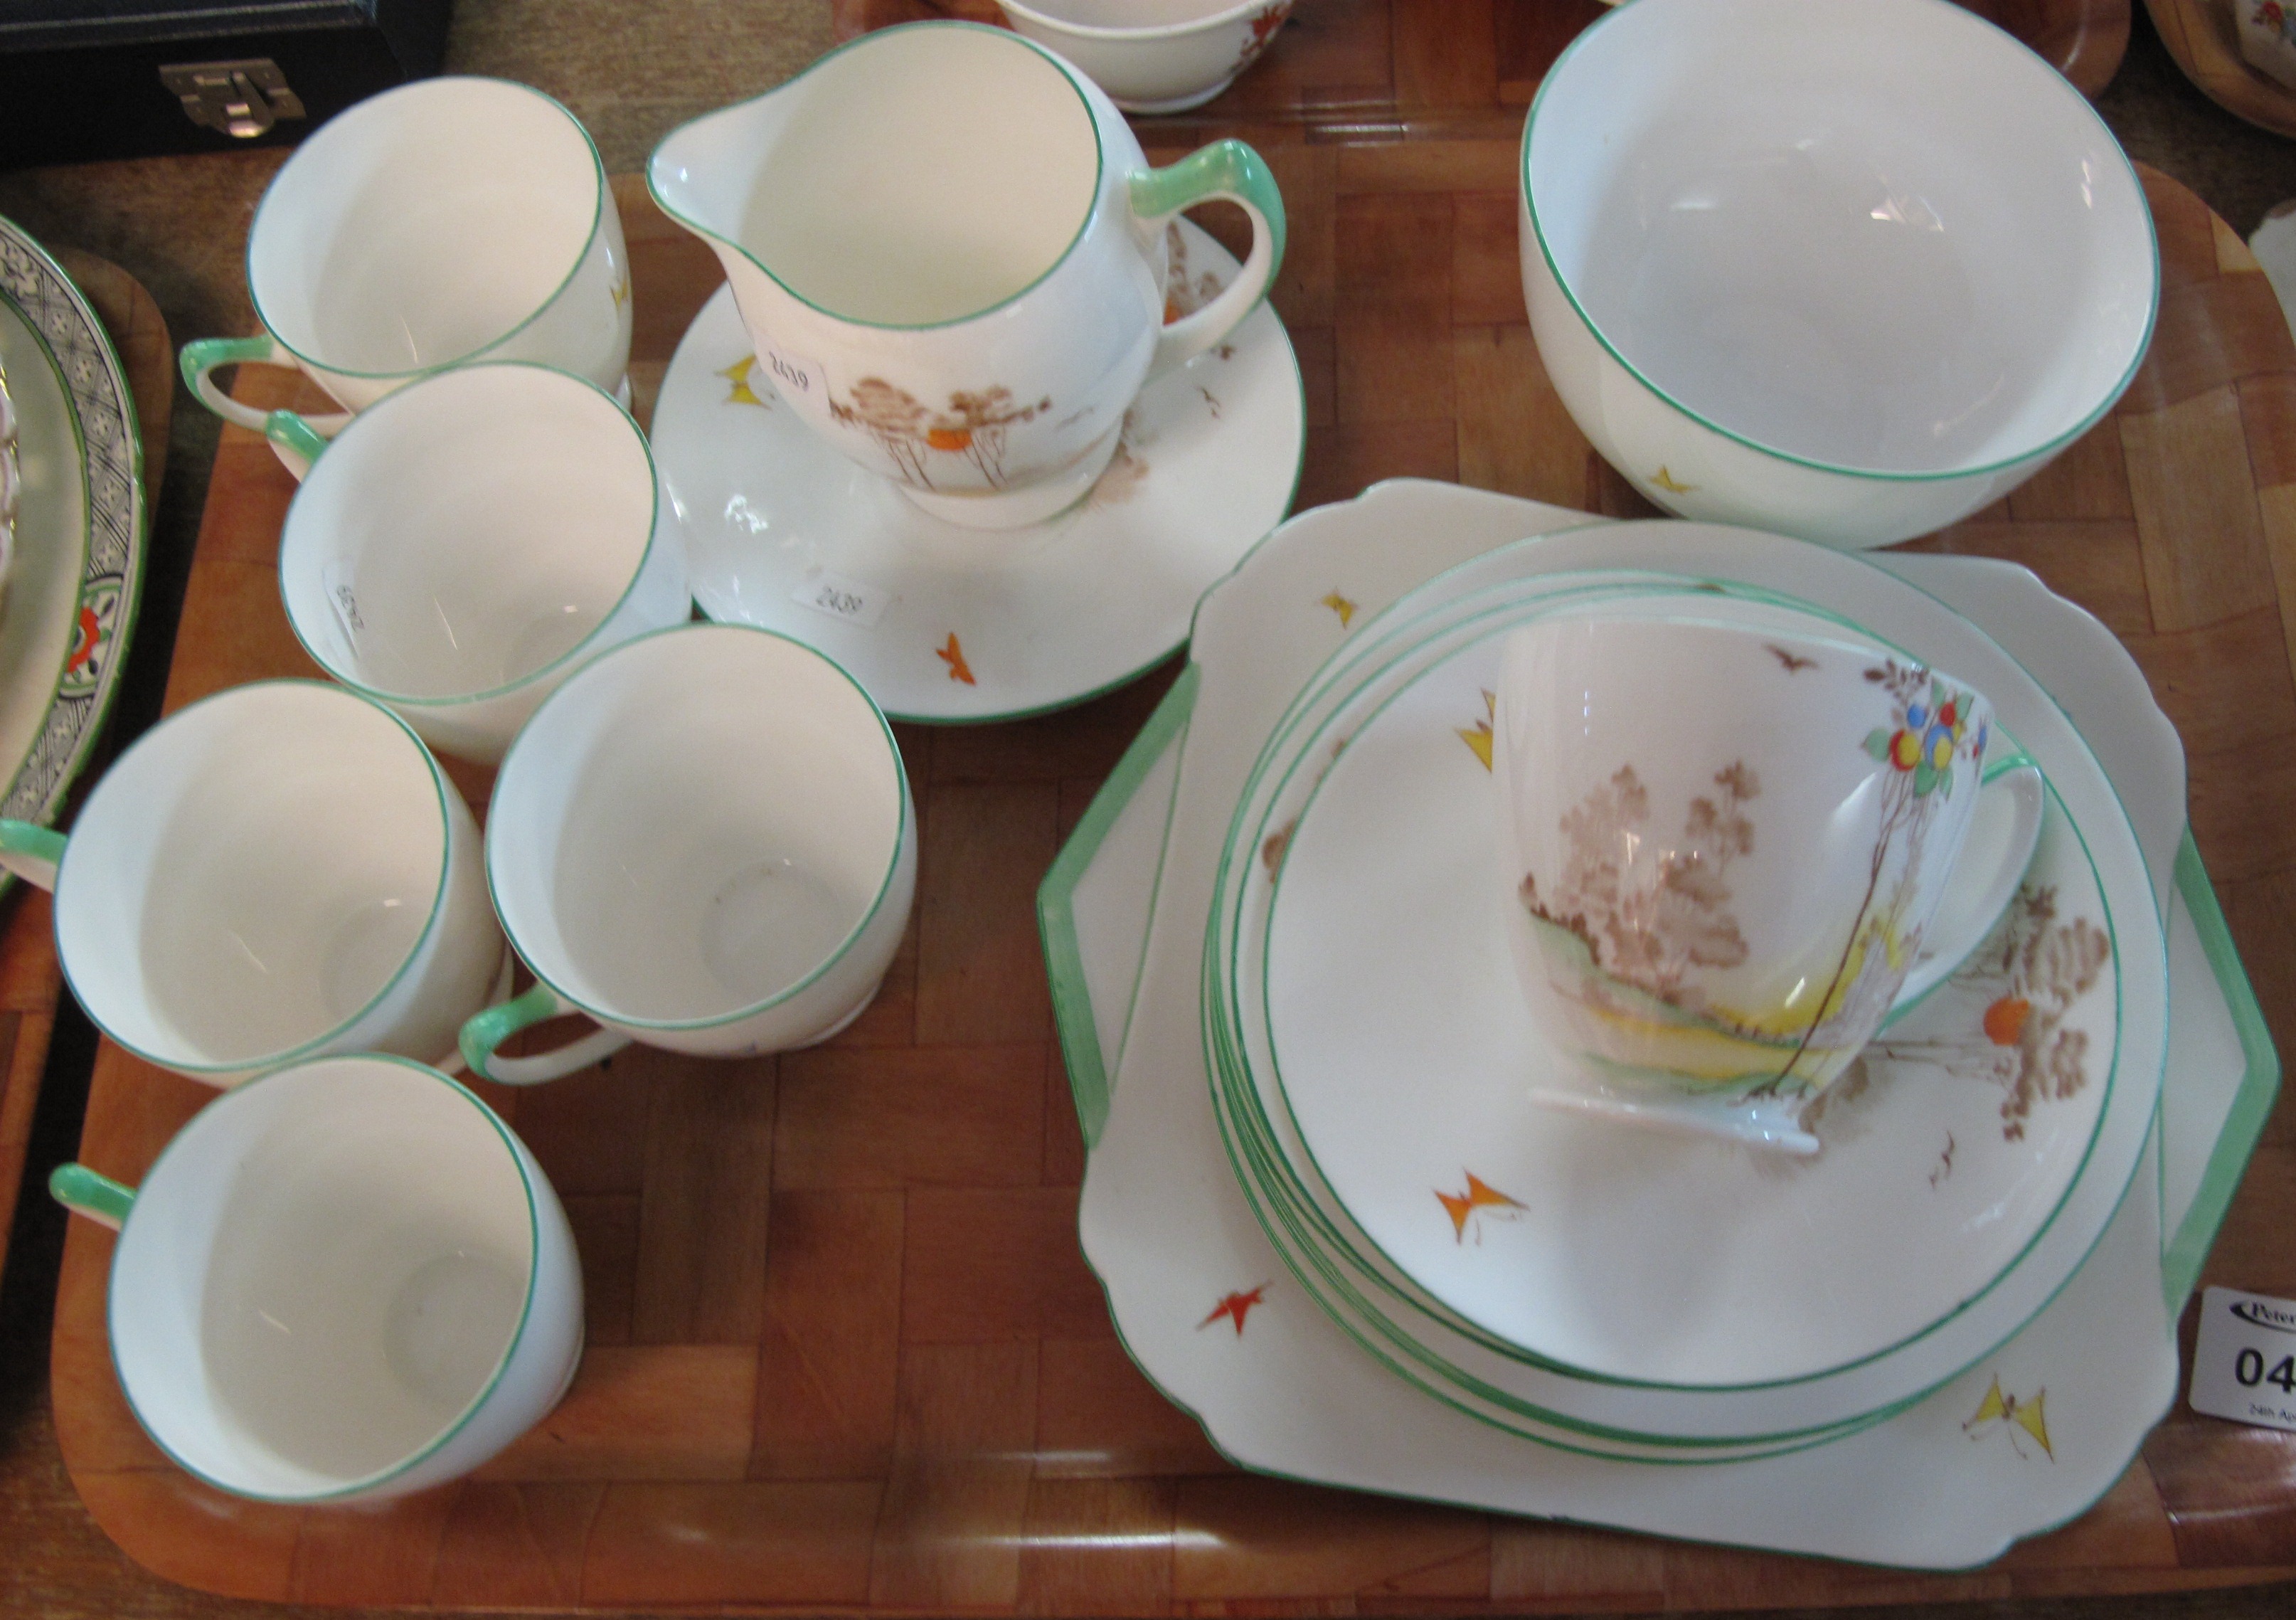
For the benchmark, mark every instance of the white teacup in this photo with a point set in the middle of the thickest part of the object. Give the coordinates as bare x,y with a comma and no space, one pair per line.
278,872
703,840
1730,841
966,311
449,221
469,542
343,1281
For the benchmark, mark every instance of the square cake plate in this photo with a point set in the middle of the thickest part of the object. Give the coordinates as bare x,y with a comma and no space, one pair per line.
2025,1440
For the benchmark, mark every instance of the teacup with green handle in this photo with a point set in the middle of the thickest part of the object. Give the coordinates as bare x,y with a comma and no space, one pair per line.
703,840
278,872
344,1282
447,221
470,542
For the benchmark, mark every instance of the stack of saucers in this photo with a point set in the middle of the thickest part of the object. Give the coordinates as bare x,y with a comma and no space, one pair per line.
1623,1292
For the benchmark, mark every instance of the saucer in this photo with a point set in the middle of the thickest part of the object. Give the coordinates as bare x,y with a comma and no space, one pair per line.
1621,1252
947,624
76,571
1209,1310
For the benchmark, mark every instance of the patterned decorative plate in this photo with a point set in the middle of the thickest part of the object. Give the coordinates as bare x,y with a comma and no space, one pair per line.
947,624
77,574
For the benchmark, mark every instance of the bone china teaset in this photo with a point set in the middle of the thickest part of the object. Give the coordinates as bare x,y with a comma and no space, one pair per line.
1666,982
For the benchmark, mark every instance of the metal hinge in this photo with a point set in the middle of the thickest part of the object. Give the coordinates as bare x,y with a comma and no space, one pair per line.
240,98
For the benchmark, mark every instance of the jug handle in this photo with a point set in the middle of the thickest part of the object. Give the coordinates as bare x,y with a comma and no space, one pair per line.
1225,168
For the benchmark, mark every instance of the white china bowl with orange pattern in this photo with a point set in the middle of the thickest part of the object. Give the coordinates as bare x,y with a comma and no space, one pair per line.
1154,55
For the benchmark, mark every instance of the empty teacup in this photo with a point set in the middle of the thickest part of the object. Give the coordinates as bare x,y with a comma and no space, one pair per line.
1728,843
703,840
949,251
471,540
345,1280
278,872
449,221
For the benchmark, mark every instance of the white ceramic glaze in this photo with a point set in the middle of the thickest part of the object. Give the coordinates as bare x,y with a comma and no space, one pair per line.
704,839
275,873
469,542
1784,276
1684,1263
449,221
347,1280
1167,1228
784,533
1725,843
1154,55
968,318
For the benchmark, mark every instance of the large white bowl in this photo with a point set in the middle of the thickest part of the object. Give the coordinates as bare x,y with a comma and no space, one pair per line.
1153,56
1849,270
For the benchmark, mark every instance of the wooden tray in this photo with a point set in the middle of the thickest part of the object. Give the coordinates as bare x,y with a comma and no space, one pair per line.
844,1353
1353,69
2201,34
30,978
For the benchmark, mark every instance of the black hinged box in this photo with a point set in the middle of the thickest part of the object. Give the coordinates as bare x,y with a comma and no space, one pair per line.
81,79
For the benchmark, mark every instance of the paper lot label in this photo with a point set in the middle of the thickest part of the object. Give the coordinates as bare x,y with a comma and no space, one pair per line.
2244,1364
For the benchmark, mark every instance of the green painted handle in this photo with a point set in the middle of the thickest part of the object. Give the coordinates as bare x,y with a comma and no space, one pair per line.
1234,170
100,1198
31,852
295,436
489,1030
205,355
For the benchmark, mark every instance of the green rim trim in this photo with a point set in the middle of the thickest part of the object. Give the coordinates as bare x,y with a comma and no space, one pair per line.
581,650
1090,1083
904,830
488,1029
2048,448
602,195
510,1350
2182,1257
1225,168
203,355
440,787
1279,744
290,432
1099,175
77,1188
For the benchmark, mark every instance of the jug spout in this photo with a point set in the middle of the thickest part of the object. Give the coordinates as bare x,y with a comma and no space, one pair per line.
704,173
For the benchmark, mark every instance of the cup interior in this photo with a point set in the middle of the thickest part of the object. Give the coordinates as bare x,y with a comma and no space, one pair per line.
693,825
251,875
423,225
922,176
322,1275
467,532
1880,237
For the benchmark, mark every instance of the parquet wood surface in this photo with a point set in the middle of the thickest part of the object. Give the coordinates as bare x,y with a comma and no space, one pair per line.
31,980
1353,69
844,1353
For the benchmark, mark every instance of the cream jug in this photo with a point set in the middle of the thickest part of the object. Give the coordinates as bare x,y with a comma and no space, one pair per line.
949,250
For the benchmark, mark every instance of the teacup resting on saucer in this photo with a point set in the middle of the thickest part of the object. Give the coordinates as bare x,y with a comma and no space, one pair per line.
1736,852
